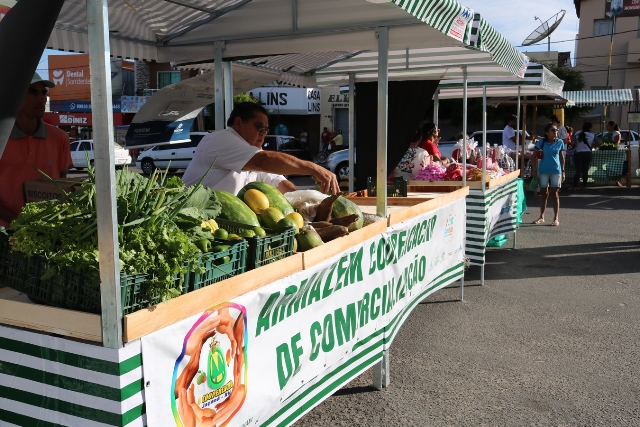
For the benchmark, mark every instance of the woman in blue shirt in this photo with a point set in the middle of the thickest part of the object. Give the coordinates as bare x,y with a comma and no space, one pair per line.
550,170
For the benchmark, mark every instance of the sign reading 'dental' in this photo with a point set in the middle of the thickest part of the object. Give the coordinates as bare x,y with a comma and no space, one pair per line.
70,74
288,100
622,8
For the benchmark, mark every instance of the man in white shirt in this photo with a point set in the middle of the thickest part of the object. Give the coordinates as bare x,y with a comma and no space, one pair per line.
562,131
509,133
238,159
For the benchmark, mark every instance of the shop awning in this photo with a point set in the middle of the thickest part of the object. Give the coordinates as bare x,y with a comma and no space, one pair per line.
537,81
184,31
594,98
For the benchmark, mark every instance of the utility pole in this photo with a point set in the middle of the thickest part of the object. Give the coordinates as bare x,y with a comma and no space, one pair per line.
613,31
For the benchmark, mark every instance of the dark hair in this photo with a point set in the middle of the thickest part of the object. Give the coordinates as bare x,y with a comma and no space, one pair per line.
512,117
429,129
586,127
554,119
461,136
246,111
613,124
546,129
569,129
417,136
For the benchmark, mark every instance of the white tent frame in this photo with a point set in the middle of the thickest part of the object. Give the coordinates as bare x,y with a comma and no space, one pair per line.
398,33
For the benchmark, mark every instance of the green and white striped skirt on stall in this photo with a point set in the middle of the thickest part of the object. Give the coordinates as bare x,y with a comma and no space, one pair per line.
48,381
489,214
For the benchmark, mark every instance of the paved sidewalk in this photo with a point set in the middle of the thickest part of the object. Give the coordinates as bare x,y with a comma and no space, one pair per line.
552,339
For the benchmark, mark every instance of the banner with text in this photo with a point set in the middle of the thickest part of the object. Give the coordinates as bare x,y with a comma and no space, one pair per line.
271,355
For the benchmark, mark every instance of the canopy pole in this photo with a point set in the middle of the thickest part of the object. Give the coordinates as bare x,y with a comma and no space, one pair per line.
436,107
518,136
218,81
464,126
383,91
228,90
352,127
99,66
484,137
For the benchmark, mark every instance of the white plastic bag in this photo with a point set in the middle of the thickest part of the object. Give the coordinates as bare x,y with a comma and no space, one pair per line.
306,202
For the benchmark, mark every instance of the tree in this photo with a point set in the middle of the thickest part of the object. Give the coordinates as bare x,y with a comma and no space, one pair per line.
573,81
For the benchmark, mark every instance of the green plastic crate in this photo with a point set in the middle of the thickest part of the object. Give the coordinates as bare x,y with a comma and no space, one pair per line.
277,245
12,266
215,271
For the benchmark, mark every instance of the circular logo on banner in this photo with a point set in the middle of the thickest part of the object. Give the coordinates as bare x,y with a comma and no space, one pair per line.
210,376
450,227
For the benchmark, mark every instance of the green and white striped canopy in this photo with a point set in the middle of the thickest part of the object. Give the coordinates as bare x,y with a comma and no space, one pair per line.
184,31
594,98
537,81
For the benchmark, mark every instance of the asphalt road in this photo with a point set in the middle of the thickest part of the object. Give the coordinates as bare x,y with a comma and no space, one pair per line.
551,339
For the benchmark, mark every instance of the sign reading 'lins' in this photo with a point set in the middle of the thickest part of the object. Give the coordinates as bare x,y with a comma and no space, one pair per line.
70,73
622,7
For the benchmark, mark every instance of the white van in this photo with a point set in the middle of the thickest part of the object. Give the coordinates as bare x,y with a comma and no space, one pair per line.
174,156
79,158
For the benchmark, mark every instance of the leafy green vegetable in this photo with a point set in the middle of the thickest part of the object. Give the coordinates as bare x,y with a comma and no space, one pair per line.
151,220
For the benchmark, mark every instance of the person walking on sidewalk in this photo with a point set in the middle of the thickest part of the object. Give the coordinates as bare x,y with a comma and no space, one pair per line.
550,151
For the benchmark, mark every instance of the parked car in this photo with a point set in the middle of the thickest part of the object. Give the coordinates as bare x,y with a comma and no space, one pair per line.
173,156
79,158
285,144
338,163
628,136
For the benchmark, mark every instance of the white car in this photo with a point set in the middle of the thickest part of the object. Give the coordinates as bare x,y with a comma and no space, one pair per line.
79,158
172,156
628,137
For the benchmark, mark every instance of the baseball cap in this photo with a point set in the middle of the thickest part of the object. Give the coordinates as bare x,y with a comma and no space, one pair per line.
36,78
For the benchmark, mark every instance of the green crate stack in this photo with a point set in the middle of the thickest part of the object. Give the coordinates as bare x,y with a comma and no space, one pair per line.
215,269
12,266
278,243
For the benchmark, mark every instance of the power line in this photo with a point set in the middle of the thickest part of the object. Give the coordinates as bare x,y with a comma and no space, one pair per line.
581,38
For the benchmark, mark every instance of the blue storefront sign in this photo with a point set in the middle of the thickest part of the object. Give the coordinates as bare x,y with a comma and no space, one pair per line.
78,106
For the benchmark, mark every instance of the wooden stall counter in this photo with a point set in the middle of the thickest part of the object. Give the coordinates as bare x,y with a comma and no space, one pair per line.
18,310
448,186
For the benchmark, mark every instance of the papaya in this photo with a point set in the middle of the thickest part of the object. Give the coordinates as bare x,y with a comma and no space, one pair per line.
275,197
256,200
307,239
344,207
234,209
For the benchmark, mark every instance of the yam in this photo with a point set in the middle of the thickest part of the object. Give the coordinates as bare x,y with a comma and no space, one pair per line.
324,209
345,221
328,234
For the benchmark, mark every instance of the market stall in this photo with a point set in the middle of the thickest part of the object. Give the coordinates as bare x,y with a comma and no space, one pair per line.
309,323
347,307
493,207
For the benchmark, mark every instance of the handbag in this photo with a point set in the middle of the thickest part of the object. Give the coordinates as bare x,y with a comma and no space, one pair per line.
534,184
540,152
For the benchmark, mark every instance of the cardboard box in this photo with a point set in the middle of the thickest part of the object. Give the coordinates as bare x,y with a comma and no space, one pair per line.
42,189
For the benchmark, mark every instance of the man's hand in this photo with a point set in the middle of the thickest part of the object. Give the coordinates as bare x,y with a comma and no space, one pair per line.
284,164
328,181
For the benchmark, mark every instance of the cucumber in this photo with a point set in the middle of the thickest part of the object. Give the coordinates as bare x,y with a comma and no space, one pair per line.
275,197
234,209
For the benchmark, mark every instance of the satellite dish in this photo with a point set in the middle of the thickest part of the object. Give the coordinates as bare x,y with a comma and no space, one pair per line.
544,30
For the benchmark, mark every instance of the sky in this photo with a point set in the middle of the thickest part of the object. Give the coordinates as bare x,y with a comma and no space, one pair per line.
515,19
